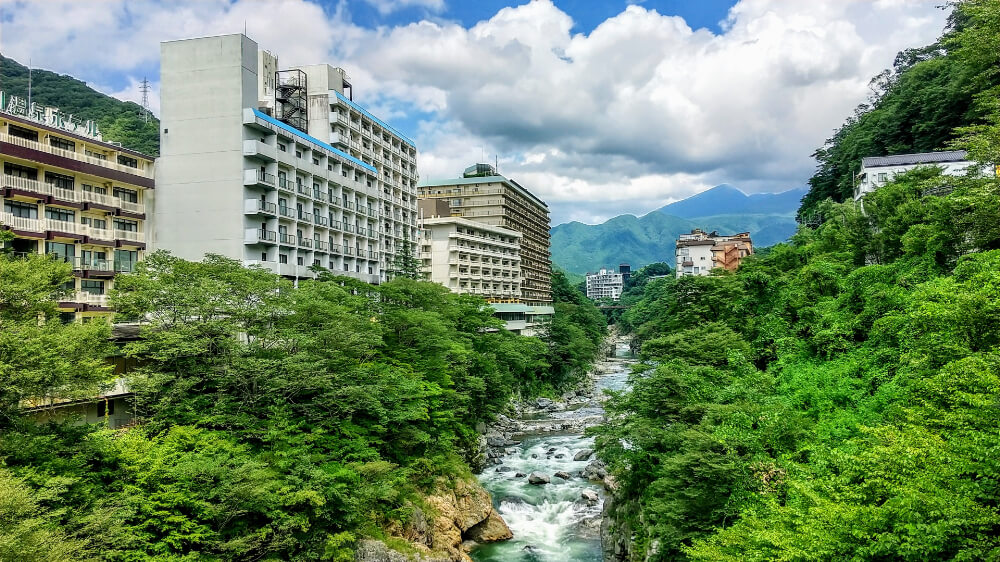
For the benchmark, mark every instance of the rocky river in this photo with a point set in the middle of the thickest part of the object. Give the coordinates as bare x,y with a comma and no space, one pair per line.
545,481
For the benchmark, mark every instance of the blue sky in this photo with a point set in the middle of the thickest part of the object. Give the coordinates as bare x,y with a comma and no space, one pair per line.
600,108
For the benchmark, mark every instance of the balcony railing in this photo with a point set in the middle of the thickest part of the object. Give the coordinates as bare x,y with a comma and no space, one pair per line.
284,238
53,225
91,299
286,211
70,195
258,178
78,156
305,242
285,185
257,206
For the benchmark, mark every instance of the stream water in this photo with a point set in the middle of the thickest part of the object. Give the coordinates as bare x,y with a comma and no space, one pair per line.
551,522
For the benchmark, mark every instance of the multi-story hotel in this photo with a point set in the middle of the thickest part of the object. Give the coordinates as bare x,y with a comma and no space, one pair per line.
278,168
605,284
471,258
483,196
67,193
700,252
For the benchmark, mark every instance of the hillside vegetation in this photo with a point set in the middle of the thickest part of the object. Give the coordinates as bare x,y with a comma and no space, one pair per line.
836,397
119,121
916,105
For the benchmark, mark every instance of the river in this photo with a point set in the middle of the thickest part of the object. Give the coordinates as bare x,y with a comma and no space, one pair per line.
552,522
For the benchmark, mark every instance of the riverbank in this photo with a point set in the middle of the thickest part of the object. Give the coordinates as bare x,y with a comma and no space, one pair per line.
540,468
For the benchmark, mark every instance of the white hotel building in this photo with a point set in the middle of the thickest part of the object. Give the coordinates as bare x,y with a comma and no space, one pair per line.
277,168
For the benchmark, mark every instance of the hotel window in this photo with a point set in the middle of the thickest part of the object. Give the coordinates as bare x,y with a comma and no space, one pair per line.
282,147
20,171
101,190
95,223
883,176
130,195
59,180
126,225
282,258
92,287
92,258
62,252
92,154
58,214
298,154
64,144
22,133
316,163
21,209
128,161
125,260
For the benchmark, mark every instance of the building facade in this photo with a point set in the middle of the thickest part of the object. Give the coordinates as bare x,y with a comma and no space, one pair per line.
605,284
876,171
67,193
277,168
699,252
469,257
484,196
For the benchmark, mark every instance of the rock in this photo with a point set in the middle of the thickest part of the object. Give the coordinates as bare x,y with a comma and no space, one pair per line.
583,454
591,496
481,427
496,441
492,529
519,475
504,468
543,402
564,475
534,456
560,456
511,443
596,470
538,478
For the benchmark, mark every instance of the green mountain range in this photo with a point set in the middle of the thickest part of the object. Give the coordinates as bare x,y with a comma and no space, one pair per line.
119,121
769,217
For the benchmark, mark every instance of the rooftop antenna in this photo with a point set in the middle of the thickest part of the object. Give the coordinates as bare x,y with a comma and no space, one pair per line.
496,162
144,88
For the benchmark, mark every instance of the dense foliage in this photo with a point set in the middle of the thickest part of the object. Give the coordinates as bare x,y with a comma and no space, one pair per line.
118,121
274,423
917,105
836,398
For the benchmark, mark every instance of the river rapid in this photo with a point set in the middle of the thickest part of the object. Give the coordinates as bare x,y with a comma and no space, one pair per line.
559,521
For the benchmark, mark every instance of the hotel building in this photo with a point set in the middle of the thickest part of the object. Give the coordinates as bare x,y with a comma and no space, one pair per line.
67,193
605,284
277,168
699,252
484,196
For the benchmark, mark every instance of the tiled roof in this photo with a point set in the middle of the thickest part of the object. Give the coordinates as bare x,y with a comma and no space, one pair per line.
909,159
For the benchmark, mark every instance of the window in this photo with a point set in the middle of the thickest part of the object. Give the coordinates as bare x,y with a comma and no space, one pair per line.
20,209
126,225
95,189
282,258
128,161
106,407
883,176
130,195
298,153
20,171
94,222
59,180
92,258
125,260
92,154
92,287
64,144
58,214
263,256
62,252
22,133
298,260
282,147
316,163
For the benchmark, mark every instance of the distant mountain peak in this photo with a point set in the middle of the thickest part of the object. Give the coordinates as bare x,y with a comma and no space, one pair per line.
725,199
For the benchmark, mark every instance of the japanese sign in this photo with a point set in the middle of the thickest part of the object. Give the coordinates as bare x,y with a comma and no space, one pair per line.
51,116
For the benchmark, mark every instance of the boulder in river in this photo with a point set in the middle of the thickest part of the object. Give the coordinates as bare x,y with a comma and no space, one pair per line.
543,402
504,468
538,478
596,470
564,475
519,475
583,454
590,495
491,529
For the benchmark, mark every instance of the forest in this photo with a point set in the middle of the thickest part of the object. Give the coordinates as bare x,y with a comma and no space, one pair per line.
837,396
273,423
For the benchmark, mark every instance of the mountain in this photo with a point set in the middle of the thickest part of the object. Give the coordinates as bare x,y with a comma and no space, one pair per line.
770,219
734,202
118,120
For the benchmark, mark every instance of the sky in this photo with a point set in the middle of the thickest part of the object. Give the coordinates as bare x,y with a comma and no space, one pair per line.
598,107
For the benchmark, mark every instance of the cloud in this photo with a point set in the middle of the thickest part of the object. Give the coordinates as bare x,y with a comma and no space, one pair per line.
641,111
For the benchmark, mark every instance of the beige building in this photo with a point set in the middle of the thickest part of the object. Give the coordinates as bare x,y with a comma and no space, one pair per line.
277,168
68,193
486,197
605,284
472,258
699,252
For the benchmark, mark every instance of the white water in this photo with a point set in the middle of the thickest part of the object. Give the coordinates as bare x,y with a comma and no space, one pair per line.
551,522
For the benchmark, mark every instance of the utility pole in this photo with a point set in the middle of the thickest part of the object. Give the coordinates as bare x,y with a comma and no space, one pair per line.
144,88
29,84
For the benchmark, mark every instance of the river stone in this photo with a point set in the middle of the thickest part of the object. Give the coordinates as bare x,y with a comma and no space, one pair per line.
503,468
560,455
543,402
496,441
538,478
583,454
491,529
519,475
564,475
590,495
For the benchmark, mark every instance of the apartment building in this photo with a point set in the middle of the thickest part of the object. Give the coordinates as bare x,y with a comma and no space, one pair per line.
484,196
277,168
605,284
469,257
699,252
876,171
68,193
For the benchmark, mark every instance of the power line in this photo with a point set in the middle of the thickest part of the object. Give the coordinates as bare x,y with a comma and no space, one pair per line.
144,88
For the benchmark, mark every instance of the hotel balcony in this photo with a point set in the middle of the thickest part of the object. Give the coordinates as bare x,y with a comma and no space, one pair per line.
146,171
259,236
257,149
257,178
258,207
46,226
30,187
